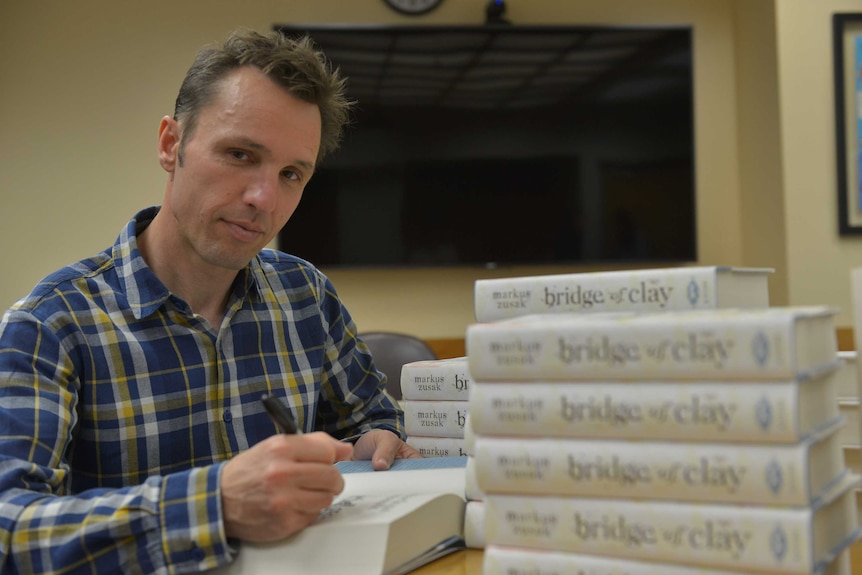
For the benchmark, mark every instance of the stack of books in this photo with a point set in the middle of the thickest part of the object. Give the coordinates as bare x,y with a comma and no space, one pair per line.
674,442
647,290
435,396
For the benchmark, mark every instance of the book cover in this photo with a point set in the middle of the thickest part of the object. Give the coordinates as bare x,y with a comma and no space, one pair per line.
731,411
762,344
735,537
641,290
433,380
434,418
775,475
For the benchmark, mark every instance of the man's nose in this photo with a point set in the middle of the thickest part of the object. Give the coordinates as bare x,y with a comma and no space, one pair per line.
261,193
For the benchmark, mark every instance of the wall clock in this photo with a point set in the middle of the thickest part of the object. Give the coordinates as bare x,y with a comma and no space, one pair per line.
413,7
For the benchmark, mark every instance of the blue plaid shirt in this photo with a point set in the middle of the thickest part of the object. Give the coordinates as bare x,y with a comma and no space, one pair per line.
119,406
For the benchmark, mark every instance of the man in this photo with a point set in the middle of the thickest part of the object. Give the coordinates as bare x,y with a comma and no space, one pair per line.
132,436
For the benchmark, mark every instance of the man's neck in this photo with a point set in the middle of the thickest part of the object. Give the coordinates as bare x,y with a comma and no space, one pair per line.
204,287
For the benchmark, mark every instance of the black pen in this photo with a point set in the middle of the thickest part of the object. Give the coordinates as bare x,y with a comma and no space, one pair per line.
280,415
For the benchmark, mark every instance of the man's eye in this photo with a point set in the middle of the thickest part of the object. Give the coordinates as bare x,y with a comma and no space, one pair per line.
239,154
289,175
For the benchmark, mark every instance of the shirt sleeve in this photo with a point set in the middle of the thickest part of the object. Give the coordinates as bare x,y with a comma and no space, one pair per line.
168,524
355,390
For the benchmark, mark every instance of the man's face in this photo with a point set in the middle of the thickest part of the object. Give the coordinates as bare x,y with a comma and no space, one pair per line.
243,171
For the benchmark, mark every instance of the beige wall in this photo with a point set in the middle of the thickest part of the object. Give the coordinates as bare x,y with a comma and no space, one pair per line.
85,84
758,120
818,260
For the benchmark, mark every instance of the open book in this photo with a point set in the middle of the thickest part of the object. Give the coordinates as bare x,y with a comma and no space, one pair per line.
387,522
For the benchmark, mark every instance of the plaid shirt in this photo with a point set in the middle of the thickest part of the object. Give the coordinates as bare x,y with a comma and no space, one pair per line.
119,406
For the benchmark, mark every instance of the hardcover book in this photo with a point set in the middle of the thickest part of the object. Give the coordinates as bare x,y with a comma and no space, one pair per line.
736,537
384,522
662,289
761,344
712,411
437,379
435,418
430,446
775,475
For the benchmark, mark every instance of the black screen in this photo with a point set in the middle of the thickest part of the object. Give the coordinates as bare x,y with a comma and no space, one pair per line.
478,145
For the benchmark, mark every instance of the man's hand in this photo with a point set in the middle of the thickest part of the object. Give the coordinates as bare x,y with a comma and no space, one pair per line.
280,485
382,447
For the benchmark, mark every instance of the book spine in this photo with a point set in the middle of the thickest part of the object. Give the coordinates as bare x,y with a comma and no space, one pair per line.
498,560
637,290
658,346
707,411
745,538
437,446
434,381
786,475
435,418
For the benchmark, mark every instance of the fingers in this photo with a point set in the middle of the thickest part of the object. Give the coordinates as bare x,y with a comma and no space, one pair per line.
313,447
382,448
280,485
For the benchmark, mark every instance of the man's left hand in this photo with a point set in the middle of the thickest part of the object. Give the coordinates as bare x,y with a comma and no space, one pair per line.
382,447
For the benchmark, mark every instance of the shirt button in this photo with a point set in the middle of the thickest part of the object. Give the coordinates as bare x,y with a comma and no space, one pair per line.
198,554
227,416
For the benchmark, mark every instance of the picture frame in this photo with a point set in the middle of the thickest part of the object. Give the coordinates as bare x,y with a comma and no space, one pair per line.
847,57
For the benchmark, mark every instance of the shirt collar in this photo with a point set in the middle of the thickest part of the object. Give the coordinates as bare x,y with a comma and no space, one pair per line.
144,291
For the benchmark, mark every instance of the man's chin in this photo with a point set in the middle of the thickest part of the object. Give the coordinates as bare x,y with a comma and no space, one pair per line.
233,262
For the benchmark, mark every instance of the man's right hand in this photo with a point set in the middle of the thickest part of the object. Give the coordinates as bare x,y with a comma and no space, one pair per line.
280,485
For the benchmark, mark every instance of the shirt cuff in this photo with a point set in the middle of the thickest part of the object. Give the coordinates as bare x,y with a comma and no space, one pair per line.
193,537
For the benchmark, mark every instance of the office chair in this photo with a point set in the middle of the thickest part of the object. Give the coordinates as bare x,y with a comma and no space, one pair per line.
392,350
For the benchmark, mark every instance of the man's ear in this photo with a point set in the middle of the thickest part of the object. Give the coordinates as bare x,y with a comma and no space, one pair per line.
169,144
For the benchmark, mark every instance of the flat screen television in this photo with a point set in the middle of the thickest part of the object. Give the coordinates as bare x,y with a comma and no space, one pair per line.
505,145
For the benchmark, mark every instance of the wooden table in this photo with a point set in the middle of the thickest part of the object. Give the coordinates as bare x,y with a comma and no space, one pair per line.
469,562
855,558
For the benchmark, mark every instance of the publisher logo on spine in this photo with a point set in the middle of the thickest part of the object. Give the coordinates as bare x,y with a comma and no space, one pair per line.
760,348
778,543
774,477
693,293
763,413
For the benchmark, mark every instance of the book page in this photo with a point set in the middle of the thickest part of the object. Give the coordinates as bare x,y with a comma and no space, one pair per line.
447,480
